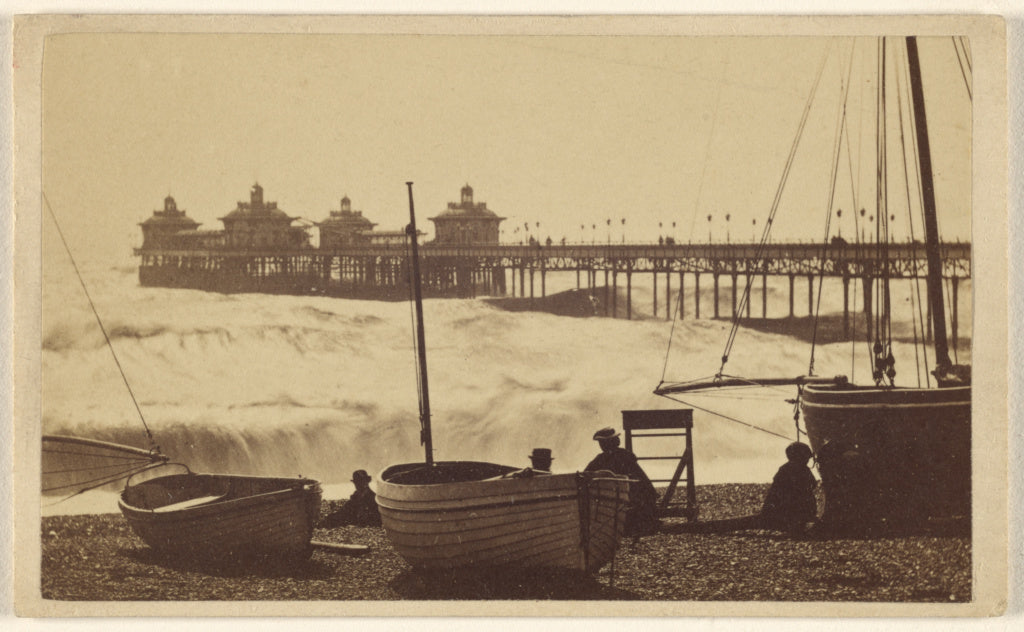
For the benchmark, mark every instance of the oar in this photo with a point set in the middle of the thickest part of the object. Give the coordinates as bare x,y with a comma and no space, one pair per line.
341,548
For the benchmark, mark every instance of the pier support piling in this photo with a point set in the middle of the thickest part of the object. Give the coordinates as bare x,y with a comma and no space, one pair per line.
696,294
716,294
846,307
791,281
629,295
810,295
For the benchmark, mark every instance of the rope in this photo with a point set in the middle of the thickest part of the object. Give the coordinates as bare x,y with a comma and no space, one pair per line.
963,73
836,152
671,335
99,322
949,310
917,361
728,418
759,256
910,215
883,360
707,150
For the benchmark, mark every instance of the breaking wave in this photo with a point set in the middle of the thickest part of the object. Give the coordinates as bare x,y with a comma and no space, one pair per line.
286,385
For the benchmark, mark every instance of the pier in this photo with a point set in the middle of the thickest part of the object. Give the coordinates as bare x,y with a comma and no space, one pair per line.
380,271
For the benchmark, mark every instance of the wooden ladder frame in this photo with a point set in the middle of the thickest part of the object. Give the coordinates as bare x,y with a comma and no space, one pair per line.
681,421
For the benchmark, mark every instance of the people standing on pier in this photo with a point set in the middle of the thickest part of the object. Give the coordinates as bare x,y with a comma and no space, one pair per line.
361,507
642,516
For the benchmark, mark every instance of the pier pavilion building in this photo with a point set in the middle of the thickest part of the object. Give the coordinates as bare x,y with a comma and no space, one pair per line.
159,229
344,227
259,225
466,222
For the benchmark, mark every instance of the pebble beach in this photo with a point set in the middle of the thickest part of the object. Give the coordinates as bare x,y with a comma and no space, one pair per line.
99,558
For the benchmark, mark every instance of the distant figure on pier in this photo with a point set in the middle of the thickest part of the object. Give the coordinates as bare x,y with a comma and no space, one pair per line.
642,517
361,507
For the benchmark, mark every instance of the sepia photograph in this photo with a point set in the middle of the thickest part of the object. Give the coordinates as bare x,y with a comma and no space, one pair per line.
444,315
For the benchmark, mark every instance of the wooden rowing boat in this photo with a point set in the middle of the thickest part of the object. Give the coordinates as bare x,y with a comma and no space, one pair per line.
218,517
458,515
466,514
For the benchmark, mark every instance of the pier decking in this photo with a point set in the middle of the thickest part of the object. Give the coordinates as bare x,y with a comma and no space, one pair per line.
380,271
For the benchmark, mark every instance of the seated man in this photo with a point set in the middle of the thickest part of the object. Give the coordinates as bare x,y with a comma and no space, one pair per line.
642,517
540,463
788,506
361,507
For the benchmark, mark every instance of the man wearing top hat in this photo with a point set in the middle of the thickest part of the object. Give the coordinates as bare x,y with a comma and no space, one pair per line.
540,459
361,507
540,463
642,517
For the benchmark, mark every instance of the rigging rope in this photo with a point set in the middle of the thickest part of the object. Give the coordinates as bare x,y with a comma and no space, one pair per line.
963,72
671,332
707,149
836,152
949,310
883,359
759,256
99,322
917,360
900,87
920,201
728,418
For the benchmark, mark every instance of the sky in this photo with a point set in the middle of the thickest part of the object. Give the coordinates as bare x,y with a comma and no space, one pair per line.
566,132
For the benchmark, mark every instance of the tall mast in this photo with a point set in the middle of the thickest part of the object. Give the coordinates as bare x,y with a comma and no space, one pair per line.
942,363
421,345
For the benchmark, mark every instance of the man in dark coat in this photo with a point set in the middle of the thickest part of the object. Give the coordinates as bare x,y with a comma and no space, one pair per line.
642,516
361,507
790,504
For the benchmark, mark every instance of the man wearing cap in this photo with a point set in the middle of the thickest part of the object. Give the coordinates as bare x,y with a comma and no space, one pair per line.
361,507
642,517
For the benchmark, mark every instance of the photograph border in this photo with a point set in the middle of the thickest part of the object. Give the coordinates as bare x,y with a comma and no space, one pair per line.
989,278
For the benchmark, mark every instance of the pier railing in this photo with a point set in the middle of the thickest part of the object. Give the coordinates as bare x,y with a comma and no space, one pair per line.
457,270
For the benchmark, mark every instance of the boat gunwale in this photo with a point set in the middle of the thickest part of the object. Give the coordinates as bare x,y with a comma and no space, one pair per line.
302,487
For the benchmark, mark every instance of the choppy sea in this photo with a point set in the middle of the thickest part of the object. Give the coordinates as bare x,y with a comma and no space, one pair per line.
319,387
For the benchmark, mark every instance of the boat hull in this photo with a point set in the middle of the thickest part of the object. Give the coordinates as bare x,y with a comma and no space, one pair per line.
459,515
212,517
891,456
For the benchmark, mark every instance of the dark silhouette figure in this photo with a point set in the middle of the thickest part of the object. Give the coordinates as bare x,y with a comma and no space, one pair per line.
642,516
541,459
540,463
361,507
789,506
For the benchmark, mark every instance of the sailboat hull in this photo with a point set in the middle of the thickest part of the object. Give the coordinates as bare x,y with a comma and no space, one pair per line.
891,456
213,517
457,515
